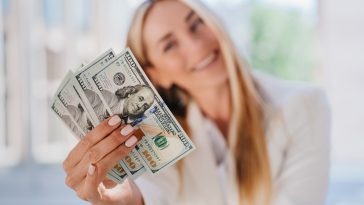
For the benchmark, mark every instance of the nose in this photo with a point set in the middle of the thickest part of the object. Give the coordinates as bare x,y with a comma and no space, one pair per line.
196,48
195,44
139,105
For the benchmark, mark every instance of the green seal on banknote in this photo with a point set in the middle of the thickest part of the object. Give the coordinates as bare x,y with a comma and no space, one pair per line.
161,141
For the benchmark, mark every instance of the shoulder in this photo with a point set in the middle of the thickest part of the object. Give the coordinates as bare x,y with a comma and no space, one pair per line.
283,93
291,96
300,106
298,140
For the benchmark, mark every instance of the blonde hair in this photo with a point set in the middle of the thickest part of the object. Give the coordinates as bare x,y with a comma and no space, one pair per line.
246,131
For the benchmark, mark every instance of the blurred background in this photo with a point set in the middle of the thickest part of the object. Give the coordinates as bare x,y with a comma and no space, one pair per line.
316,41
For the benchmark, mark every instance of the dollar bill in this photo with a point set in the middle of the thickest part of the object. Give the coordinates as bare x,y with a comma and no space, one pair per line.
78,111
129,93
64,115
86,87
88,91
71,100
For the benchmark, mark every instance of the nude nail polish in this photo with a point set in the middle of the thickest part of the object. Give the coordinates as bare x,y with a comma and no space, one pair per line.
126,130
91,169
114,120
131,141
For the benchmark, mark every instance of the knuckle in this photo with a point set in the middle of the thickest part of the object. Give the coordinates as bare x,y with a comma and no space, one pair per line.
81,194
103,126
93,155
86,142
66,164
123,151
116,137
88,196
70,182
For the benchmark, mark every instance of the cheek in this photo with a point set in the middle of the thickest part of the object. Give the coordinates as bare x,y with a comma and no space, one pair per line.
174,69
210,40
174,64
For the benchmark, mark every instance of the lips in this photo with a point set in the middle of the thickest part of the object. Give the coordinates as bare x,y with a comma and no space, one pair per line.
206,61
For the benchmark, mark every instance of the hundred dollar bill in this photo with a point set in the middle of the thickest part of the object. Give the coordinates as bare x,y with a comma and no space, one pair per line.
88,91
86,87
129,93
71,100
77,110
64,115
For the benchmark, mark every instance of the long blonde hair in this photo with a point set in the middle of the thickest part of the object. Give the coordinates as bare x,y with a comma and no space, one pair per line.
246,131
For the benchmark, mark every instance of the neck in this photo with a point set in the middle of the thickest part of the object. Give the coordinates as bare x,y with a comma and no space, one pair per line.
215,104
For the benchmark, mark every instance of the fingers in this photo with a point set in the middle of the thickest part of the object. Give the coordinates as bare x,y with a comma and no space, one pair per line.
90,190
97,134
108,162
100,150
96,173
105,146
110,144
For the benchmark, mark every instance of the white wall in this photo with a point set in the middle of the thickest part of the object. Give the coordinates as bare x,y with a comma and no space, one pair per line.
342,41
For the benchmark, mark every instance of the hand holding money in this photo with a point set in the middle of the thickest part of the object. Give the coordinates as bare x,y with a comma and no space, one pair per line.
117,86
95,154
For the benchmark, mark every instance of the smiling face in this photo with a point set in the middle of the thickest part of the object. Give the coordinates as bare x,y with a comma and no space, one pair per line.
181,48
137,103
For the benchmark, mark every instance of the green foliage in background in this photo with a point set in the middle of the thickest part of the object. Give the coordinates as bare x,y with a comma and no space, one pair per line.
282,43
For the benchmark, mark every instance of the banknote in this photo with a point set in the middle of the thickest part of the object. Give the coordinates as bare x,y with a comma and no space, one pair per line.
129,93
117,85
86,87
76,108
78,112
64,115
89,92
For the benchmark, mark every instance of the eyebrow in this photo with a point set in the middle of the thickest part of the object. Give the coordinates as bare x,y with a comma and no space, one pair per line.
168,35
189,15
165,37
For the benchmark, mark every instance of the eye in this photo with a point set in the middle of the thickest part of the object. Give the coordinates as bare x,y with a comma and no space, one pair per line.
169,45
145,106
141,98
196,24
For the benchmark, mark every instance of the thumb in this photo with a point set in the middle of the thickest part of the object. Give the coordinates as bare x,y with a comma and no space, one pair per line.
91,185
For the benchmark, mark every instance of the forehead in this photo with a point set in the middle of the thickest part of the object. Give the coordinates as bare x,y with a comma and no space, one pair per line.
164,16
144,91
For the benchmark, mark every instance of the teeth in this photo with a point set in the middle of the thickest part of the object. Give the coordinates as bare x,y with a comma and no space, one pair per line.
205,62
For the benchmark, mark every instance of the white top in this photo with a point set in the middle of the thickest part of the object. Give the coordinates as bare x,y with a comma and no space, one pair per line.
298,147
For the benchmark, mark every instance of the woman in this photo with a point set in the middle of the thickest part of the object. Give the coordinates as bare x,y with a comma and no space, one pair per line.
259,141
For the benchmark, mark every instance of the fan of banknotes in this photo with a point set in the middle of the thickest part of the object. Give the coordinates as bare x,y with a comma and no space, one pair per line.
117,85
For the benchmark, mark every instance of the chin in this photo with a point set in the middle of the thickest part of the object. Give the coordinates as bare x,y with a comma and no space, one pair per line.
212,81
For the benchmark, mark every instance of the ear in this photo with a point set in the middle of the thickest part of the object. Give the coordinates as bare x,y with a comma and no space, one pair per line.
158,77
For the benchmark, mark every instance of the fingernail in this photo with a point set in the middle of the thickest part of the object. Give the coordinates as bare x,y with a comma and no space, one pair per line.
91,169
126,130
114,120
131,141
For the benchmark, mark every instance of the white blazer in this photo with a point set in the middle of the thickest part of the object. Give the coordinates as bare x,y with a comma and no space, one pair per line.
298,147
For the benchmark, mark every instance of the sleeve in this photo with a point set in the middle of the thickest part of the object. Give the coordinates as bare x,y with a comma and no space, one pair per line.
160,189
305,171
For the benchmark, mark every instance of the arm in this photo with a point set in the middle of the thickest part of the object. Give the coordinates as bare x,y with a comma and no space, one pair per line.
305,170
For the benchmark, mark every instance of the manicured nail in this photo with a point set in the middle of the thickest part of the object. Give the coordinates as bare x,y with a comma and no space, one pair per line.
126,130
131,141
91,169
114,120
